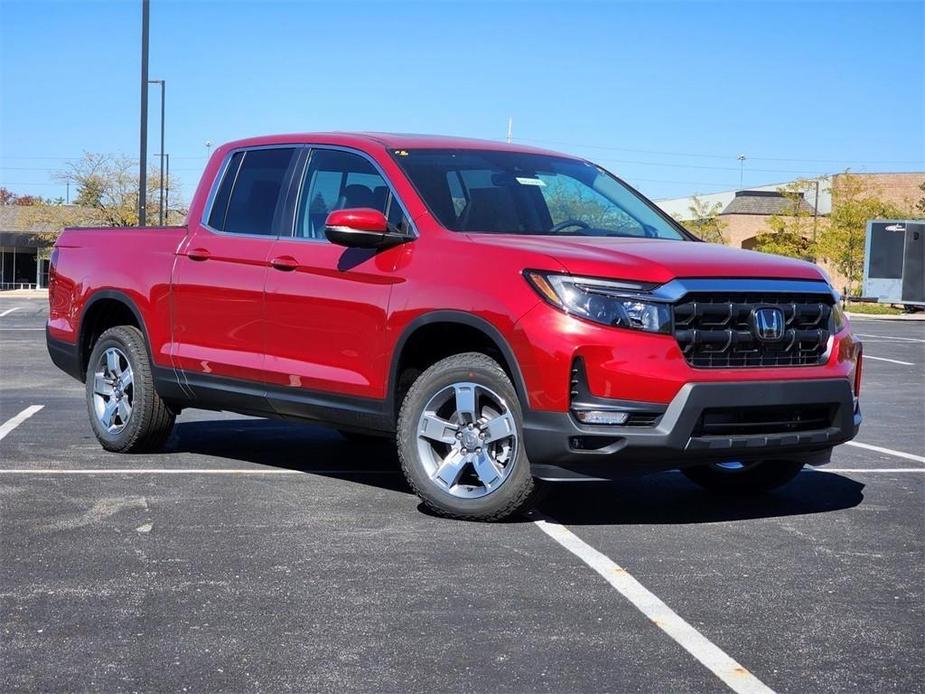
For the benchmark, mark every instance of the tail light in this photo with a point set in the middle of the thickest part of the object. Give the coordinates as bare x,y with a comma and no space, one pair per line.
52,262
858,364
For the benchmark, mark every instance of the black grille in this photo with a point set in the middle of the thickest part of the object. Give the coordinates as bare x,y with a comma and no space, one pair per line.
716,331
743,421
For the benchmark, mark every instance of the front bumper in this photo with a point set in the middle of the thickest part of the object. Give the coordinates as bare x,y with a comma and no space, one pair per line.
560,448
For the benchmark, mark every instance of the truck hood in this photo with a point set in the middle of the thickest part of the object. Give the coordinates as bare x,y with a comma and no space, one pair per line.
653,260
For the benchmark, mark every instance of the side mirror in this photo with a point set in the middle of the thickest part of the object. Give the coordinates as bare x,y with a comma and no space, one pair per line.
361,227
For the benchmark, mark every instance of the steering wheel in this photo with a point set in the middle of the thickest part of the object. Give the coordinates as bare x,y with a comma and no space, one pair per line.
569,223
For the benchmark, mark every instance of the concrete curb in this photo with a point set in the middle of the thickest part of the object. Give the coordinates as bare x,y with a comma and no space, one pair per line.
874,316
24,293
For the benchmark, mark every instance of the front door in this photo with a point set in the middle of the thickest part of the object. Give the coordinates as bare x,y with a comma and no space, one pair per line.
327,305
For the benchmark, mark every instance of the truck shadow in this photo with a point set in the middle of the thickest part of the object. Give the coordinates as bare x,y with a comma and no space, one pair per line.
669,498
314,450
665,498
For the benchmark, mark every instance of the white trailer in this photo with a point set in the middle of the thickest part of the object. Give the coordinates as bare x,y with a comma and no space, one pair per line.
894,261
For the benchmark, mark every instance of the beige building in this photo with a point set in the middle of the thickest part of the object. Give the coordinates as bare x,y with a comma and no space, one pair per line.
747,212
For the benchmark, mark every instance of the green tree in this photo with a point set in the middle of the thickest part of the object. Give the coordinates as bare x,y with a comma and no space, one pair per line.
704,221
790,232
920,205
842,241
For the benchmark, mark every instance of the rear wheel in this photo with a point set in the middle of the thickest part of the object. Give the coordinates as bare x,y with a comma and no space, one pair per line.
743,478
460,440
126,413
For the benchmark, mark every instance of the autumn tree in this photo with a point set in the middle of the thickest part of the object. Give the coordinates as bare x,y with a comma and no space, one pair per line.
703,220
109,186
790,231
8,197
107,195
920,205
842,242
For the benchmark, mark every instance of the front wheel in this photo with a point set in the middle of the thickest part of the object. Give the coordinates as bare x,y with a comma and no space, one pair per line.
460,440
743,478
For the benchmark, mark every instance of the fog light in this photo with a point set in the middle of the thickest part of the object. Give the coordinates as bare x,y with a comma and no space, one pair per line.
600,417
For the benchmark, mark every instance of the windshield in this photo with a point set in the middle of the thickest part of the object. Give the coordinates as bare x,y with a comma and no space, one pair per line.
488,191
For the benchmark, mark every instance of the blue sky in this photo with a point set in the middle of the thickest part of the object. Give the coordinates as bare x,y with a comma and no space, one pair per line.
664,94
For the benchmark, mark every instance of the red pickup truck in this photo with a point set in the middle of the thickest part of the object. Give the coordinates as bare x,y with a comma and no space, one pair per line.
507,314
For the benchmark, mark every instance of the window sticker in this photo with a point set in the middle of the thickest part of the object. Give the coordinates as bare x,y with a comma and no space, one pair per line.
530,182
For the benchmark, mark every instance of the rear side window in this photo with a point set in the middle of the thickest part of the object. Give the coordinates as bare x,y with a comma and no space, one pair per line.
251,191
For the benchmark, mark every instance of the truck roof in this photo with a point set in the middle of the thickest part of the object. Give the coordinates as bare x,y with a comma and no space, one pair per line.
363,140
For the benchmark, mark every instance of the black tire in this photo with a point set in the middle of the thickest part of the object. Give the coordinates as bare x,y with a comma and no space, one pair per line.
755,478
150,421
516,494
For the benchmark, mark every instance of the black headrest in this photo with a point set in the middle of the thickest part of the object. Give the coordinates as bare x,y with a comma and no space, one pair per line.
357,195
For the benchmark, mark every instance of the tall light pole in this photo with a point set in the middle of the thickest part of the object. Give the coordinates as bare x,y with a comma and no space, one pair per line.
143,136
167,190
161,155
741,159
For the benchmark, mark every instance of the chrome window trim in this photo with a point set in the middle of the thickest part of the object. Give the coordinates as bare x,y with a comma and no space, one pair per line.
220,176
412,236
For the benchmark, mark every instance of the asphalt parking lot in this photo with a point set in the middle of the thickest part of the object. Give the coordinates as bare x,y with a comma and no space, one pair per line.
263,556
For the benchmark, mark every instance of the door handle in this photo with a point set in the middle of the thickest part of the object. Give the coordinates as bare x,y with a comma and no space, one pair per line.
286,263
198,254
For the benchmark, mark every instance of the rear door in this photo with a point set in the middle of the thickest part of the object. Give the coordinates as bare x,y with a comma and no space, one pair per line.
326,304
219,328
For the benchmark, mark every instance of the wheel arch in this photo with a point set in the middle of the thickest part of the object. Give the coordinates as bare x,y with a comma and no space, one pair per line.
482,332
104,309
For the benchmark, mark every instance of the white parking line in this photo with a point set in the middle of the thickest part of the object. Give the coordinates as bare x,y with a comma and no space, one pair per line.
888,451
187,471
21,329
14,422
715,660
10,310
890,337
892,361
869,469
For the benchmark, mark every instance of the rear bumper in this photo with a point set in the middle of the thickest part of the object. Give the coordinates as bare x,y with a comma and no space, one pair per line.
64,355
560,448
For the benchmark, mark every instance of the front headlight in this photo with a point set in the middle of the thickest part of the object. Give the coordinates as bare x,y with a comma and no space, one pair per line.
608,302
838,319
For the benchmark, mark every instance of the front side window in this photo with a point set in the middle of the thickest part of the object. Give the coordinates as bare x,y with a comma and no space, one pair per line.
337,180
251,191
487,191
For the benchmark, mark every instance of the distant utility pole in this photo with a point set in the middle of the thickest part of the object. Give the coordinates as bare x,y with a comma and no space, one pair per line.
741,159
143,136
510,130
161,155
816,211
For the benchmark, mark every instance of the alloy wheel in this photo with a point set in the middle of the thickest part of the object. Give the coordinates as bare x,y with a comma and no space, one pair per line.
113,390
467,440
